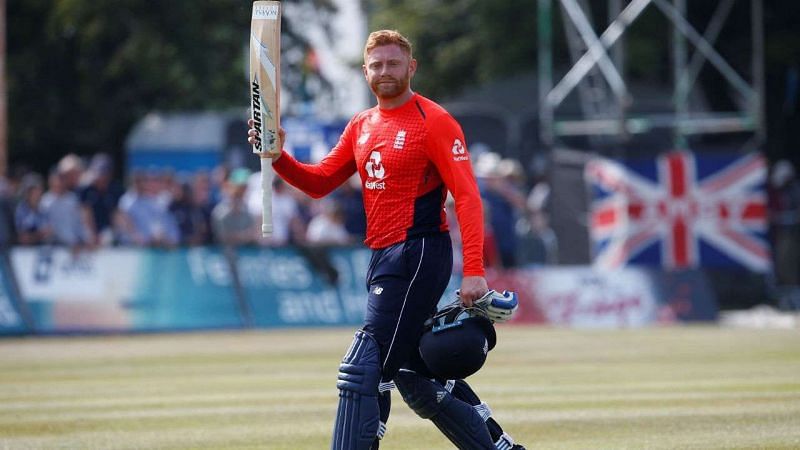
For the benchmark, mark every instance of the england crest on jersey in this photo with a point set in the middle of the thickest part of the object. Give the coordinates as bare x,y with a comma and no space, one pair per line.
680,210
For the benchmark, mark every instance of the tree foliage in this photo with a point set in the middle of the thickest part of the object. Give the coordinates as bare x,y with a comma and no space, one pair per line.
461,42
81,72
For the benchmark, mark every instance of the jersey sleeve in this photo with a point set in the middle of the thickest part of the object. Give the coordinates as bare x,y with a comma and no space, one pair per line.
449,154
318,180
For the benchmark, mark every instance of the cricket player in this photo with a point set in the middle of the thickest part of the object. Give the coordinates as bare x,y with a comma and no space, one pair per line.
409,152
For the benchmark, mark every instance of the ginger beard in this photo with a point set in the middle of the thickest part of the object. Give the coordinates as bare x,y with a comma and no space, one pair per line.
388,70
388,87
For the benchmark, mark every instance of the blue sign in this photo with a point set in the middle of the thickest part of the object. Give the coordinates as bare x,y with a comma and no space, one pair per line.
11,319
284,288
185,289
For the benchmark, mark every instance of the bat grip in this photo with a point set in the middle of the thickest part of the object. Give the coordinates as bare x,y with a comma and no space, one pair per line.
266,196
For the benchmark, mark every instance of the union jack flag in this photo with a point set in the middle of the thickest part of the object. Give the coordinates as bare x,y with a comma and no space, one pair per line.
680,210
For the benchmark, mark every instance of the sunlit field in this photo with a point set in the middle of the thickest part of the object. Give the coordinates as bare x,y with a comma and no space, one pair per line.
656,388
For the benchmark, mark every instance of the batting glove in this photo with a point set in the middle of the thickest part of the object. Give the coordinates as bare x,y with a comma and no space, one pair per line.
499,307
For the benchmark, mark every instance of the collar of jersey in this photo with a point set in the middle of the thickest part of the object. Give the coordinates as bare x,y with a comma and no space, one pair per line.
399,109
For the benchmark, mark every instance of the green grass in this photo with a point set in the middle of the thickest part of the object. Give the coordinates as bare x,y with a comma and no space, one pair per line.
655,388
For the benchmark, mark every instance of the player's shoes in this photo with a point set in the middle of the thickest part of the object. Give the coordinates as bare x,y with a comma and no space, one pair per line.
505,442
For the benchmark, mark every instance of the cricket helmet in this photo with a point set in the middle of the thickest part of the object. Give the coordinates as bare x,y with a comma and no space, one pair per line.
456,342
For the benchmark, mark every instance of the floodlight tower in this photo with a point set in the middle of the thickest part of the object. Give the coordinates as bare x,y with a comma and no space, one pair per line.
598,74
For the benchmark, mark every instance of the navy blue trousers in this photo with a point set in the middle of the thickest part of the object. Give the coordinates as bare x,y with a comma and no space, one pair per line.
405,282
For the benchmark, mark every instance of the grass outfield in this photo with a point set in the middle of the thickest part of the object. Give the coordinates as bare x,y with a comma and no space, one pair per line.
657,388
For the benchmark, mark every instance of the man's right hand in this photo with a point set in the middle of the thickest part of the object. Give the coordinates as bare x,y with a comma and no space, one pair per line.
472,288
252,136
499,306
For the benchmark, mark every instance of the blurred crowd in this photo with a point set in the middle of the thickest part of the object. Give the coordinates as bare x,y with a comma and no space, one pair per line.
83,204
515,207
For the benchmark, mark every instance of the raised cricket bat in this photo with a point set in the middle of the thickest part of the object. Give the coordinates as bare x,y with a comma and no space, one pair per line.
265,91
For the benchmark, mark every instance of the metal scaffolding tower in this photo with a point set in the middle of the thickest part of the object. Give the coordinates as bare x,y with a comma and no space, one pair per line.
598,73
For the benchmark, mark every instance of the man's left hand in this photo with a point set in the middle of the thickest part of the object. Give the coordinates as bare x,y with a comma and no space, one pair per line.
472,288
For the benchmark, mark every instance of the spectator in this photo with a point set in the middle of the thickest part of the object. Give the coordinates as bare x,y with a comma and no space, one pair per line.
327,227
71,168
491,255
299,225
167,182
99,198
63,211
202,198
231,220
503,201
352,205
135,185
7,206
784,215
491,252
16,173
188,214
144,219
29,219
219,174
537,242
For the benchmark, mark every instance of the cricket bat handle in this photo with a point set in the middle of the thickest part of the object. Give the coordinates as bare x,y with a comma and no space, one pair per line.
267,174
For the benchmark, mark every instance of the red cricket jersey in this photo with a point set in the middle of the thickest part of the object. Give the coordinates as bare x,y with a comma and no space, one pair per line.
408,158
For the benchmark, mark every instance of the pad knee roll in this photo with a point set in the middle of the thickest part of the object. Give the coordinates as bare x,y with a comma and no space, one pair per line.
422,395
457,420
